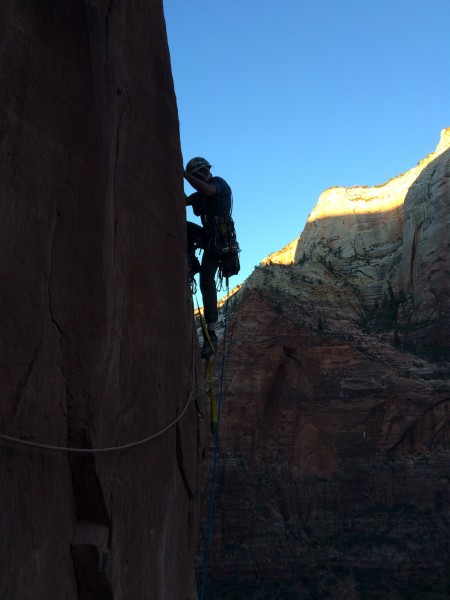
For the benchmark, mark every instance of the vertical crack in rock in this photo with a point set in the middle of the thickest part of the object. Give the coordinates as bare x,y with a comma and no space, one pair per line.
124,96
91,559
91,541
270,401
413,255
22,384
184,476
50,272
90,546
89,497
430,184
107,18
180,461
52,315
58,327
116,160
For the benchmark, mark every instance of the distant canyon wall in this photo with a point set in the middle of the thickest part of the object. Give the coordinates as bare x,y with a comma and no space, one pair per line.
388,241
392,239
333,476
94,291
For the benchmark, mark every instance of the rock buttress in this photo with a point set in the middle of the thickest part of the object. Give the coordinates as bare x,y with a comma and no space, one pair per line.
96,327
333,479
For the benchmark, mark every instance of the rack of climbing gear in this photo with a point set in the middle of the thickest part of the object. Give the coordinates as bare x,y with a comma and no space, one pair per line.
224,243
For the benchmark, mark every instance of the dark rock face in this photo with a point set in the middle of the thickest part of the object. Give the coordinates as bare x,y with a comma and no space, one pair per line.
96,335
335,457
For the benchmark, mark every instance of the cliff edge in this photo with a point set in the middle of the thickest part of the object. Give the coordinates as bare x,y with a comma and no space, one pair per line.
94,291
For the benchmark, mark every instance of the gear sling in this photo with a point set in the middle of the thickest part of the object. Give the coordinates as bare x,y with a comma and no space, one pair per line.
224,243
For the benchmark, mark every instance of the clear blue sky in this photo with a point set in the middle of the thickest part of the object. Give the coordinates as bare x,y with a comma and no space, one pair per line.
287,98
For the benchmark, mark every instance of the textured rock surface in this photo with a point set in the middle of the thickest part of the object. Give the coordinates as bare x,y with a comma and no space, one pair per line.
335,454
93,293
285,256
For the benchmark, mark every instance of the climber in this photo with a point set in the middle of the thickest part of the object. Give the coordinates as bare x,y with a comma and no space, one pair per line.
211,199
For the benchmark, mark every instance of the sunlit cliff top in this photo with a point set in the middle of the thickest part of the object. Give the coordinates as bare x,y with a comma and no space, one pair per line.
356,200
362,200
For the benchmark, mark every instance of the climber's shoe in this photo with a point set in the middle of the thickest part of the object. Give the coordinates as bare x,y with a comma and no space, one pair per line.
208,348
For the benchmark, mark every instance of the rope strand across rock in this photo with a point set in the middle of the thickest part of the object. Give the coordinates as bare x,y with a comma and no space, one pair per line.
56,448
15,440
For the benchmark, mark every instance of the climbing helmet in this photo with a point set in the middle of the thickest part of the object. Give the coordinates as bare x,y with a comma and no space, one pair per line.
195,164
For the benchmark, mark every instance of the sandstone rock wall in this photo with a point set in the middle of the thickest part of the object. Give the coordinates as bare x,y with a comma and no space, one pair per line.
335,454
285,256
389,240
94,293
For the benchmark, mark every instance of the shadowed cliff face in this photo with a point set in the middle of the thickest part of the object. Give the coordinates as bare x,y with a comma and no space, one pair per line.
94,291
335,452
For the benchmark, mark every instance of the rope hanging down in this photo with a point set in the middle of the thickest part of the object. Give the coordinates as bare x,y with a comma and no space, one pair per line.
216,455
208,371
192,393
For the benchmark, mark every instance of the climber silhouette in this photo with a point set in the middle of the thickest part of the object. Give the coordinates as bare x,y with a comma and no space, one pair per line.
211,199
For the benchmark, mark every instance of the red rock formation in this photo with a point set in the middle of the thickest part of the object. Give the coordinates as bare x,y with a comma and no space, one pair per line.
96,331
335,443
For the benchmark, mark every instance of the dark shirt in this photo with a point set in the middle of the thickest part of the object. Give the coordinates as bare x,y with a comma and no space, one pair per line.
220,204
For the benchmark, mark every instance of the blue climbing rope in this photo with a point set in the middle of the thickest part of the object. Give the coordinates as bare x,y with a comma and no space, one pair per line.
216,455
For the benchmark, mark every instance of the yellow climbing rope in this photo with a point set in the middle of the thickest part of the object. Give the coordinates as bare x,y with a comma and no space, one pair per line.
209,373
